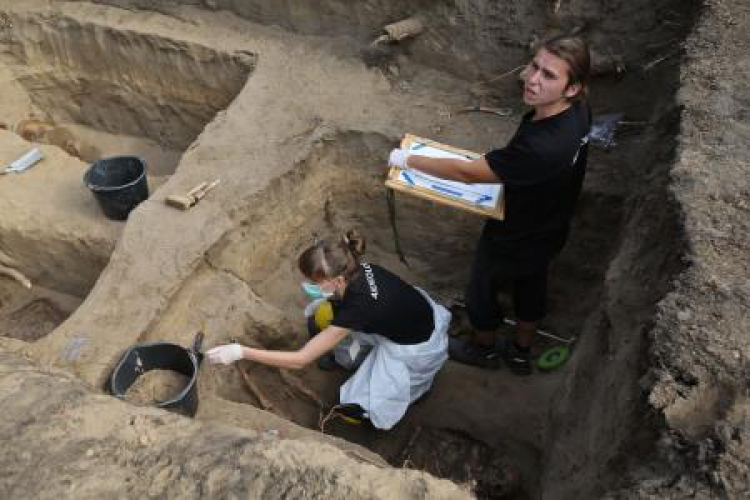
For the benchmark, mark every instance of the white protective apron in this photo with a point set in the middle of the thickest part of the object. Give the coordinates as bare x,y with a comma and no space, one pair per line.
392,376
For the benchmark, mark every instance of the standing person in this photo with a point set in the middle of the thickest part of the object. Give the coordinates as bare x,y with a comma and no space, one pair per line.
542,168
406,330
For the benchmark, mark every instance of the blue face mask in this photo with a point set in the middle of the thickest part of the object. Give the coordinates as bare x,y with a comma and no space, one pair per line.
314,292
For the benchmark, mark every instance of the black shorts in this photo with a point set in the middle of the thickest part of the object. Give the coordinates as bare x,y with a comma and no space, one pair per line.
525,272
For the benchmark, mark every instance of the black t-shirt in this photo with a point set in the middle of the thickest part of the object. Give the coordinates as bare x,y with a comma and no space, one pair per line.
542,168
378,301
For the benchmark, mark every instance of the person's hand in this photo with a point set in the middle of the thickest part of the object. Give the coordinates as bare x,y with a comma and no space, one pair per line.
225,354
398,158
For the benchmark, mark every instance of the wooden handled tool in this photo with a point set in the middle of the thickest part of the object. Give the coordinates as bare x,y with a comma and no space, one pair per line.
184,202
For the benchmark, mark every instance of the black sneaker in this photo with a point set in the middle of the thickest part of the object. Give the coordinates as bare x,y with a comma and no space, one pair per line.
465,351
517,360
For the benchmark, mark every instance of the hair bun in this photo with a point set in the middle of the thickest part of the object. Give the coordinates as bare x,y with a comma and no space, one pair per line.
354,242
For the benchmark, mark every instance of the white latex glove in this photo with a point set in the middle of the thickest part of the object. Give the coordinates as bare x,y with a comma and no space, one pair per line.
225,354
398,158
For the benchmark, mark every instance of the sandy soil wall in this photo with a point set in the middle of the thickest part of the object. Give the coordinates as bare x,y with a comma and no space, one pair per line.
598,414
459,33
62,441
689,412
469,38
700,354
135,84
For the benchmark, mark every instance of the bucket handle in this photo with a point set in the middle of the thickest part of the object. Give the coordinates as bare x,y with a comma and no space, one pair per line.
197,345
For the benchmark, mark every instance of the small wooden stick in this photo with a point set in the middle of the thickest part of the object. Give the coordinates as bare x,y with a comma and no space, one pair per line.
255,391
405,452
372,461
16,275
197,188
659,60
205,189
507,73
297,384
485,109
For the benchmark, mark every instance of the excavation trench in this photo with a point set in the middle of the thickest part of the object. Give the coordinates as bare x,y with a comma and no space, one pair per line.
253,271
560,434
81,91
116,91
485,429
502,436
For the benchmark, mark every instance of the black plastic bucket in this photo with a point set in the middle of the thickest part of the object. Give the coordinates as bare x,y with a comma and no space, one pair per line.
119,184
141,358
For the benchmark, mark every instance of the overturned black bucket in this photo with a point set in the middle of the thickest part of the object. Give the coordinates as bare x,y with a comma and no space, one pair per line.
141,358
119,184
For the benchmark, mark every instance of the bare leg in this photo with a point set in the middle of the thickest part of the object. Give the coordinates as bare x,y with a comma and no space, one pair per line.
525,333
485,338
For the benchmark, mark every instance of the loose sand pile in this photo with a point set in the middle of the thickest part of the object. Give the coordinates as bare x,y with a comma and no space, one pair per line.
156,386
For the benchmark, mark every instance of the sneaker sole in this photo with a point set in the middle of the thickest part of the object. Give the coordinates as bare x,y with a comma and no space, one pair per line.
519,369
490,364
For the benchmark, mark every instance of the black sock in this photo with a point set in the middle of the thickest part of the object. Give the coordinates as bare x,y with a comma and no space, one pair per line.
484,347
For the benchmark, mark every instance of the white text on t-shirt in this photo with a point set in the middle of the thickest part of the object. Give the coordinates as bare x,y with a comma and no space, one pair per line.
370,277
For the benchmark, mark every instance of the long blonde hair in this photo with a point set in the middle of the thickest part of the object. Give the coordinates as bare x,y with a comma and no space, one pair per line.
331,257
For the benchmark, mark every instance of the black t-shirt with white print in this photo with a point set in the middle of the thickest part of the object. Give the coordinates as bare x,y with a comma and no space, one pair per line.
378,301
542,168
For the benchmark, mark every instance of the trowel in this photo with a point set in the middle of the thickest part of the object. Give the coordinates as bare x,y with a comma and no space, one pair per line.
24,163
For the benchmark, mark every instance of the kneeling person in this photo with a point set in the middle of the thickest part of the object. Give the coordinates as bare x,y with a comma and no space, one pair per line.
406,329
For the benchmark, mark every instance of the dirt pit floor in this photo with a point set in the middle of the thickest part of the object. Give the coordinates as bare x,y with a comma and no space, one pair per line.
294,109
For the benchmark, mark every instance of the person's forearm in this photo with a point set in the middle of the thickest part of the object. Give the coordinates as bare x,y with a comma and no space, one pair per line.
452,169
445,168
296,360
291,360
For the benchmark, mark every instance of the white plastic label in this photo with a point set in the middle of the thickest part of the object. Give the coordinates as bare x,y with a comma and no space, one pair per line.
354,349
